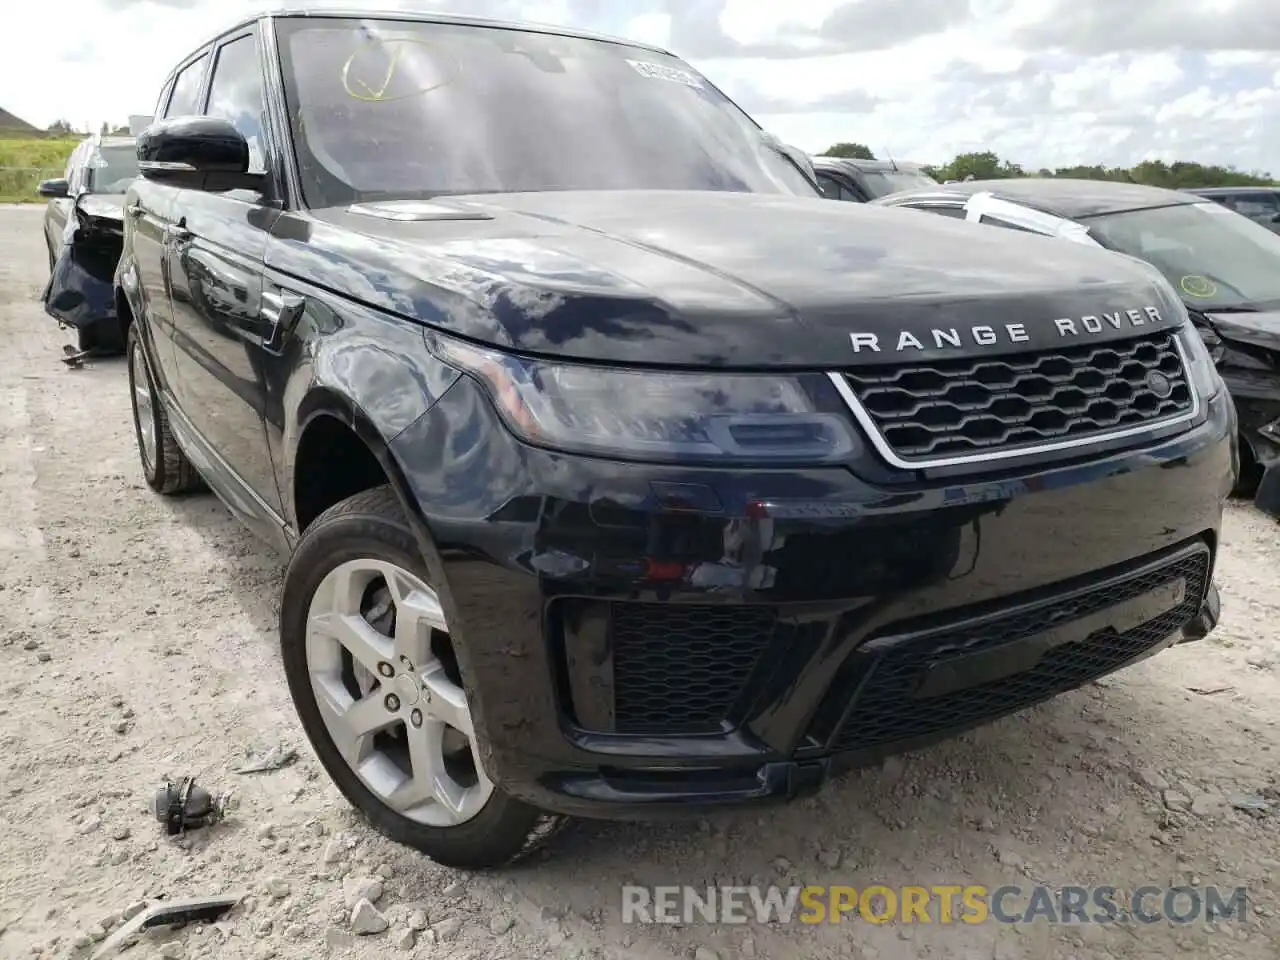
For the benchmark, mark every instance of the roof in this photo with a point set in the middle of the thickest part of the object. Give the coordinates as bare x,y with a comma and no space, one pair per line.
1065,197
420,17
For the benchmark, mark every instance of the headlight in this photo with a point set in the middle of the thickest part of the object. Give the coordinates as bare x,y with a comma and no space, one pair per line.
1212,342
659,415
1204,376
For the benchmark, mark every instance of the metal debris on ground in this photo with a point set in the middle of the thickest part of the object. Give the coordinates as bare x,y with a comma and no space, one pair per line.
184,806
279,756
1209,691
168,913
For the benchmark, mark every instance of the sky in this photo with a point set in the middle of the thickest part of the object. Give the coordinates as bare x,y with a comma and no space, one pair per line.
1040,82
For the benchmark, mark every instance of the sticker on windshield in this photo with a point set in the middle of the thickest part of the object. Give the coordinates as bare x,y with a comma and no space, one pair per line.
660,71
1202,288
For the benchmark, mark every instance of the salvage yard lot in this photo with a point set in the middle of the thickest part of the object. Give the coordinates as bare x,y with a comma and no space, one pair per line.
137,642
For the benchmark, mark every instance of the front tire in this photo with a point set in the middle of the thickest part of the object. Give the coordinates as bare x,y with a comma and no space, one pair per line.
164,466
369,663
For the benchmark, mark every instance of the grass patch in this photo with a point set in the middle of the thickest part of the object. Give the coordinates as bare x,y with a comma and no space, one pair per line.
25,161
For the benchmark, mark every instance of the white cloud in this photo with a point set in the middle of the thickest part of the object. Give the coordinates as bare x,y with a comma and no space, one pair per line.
1041,82
654,28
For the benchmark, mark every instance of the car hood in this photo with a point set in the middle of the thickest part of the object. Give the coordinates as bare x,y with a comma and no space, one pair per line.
1259,329
703,278
103,206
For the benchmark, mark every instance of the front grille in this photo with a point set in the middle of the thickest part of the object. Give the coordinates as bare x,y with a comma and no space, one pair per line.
881,684
952,409
679,668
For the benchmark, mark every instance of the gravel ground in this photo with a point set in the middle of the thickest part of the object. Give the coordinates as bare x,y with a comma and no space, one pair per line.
137,641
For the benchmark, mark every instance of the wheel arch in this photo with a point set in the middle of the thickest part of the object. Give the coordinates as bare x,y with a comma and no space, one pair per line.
324,410
329,422
130,310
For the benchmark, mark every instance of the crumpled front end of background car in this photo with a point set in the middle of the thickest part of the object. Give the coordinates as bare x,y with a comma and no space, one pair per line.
80,290
1246,349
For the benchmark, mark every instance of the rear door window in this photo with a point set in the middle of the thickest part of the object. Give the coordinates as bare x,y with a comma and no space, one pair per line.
1256,205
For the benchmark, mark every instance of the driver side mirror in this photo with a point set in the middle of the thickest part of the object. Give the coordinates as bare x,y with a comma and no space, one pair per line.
1276,218
56,189
199,153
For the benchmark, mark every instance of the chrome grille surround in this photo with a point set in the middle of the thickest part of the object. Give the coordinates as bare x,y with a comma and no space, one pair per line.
1107,378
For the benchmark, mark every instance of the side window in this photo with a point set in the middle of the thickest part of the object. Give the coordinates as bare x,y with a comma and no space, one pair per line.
956,213
848,195
1257,205
235,94
830,189
997,222
186,89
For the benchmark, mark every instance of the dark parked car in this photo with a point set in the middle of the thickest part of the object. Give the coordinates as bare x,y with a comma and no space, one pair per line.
861,180
1225,268
1257,203
615,478
83,232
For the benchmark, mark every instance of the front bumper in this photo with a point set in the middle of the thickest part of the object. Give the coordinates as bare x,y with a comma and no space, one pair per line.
639,640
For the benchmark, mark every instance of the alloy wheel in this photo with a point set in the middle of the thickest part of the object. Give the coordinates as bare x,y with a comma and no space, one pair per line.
387,687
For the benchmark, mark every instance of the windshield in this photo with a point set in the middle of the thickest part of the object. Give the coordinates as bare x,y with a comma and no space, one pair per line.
881,183
1213,256
386,109
113,169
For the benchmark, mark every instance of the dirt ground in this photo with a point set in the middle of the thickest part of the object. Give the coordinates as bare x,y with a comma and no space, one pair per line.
138,641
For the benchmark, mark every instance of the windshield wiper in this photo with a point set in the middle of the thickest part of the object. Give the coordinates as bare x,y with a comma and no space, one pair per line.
1231,308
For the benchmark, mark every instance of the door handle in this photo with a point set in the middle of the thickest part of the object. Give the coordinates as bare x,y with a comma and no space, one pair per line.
282,309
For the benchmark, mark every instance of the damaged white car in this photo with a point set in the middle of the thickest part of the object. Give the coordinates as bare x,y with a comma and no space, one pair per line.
84,234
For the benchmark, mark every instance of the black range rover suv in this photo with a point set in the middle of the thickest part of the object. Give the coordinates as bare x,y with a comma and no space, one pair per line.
620,473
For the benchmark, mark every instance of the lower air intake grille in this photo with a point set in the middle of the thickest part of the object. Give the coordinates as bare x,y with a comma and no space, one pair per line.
678,668
952,409
881,685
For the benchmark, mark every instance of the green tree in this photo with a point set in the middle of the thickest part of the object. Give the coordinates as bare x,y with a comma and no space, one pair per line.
985,165
849,151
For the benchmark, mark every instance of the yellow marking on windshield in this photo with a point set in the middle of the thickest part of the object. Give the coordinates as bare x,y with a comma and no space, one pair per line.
378,91
1202,288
